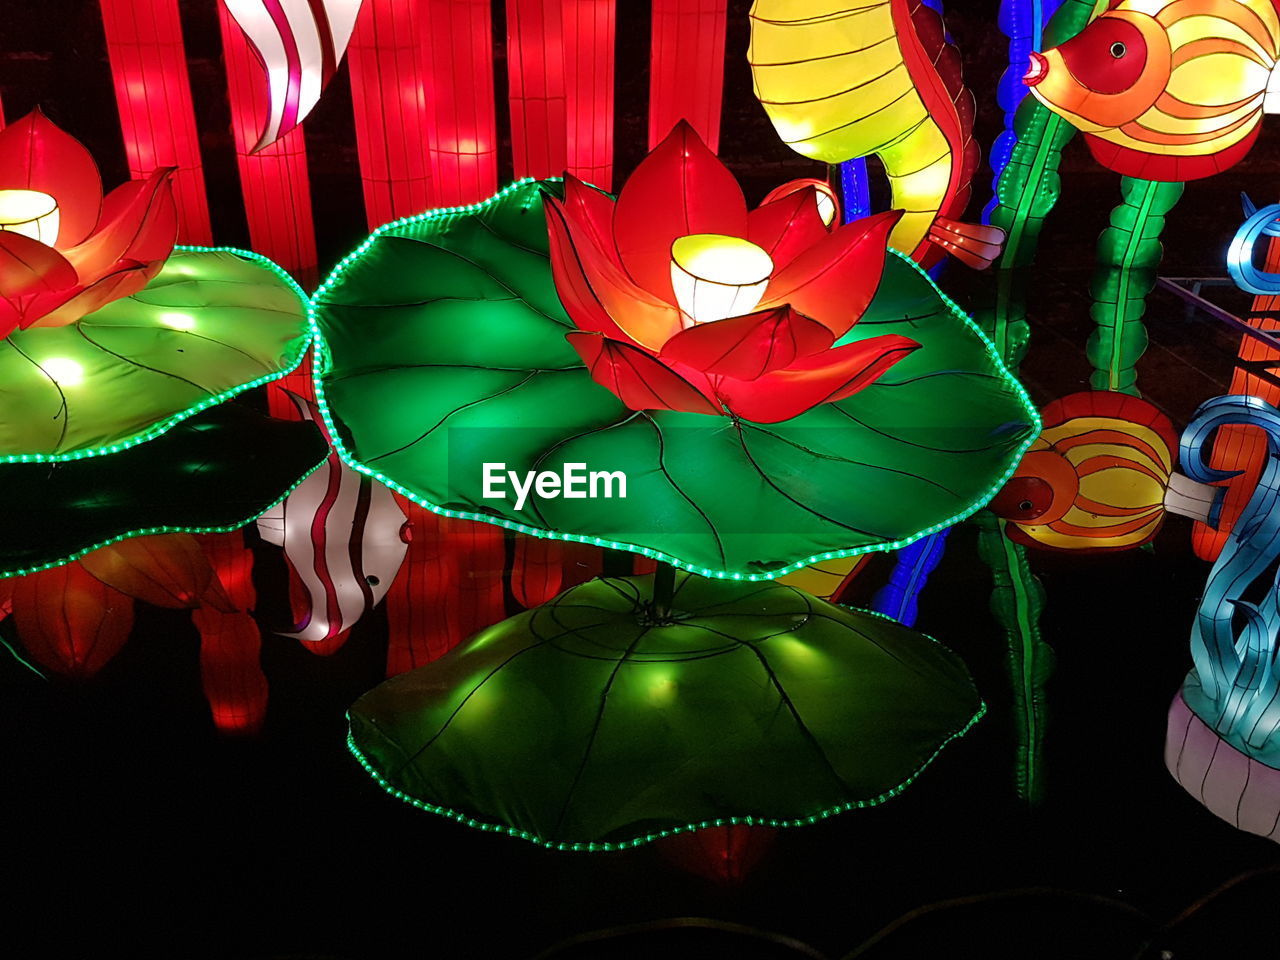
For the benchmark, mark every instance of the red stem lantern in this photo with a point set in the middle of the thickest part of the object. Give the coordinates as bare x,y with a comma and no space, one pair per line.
686,68
391,111
274,181
588,83
457,50
153,92
536,78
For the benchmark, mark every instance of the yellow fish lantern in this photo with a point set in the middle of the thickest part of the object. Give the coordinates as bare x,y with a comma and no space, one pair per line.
1167,90
1095,479
842,80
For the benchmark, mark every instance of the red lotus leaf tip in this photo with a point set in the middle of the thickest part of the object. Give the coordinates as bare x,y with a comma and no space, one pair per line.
65,250
685,300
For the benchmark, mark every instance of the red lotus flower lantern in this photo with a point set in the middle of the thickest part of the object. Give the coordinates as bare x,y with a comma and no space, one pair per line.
65,251
686,301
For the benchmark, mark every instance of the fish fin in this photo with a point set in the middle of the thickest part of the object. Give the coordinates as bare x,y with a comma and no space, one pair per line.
974,244
271,525
1166,167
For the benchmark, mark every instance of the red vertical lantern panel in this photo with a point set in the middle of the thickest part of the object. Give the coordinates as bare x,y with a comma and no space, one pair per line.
230,643
457,51
588,27
423,604
231,670
479,553
274,181
388,97
537,569
686,68
1240,448
70,621
153,92
536,80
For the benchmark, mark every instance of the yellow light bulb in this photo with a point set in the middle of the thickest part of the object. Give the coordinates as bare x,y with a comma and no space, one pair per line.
30,213
715,276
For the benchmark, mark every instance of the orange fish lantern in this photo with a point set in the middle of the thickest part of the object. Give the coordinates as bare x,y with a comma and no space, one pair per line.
1096,478
1168,90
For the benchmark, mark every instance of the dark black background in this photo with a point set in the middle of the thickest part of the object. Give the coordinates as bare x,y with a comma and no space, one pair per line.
130,828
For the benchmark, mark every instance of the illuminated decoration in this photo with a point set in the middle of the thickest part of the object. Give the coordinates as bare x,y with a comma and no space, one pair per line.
841,83
69,621
153,93
588,86
1129,253
536,570
722,854
389,97
686,67
211,324
1095,478
167,570
230,670
450,587
217,470
678,740
1023,22
677,310
1027,191
273,179
536,76
299,44
1242,450
66,250
826,579
458,56
1224,727
1166,90
899,599
343,536
915,451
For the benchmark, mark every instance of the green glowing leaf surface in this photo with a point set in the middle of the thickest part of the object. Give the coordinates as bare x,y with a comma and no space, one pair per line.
445,351
584,722
210,324
216,470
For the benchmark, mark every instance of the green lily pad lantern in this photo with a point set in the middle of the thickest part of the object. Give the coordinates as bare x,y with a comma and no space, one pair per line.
737,393
216,470
598,721
851,407
109,335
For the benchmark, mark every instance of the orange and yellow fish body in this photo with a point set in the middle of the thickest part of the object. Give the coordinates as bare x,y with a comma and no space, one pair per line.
1095,479
1166,90
841,79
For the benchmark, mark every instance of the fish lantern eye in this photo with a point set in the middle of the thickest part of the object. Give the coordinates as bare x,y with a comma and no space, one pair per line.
1023,499
1108,57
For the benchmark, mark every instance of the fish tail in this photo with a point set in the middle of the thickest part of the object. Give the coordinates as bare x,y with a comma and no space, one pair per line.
950,151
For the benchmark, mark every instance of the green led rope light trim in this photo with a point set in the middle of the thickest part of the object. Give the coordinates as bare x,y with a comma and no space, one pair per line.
162,427
322,360
594,847
150,531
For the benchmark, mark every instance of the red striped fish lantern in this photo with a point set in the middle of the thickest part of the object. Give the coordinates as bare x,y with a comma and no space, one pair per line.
1095,479
299,43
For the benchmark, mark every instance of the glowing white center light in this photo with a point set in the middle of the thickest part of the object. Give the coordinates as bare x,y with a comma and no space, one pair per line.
178,321
63,371
30,213
715,276
826,203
